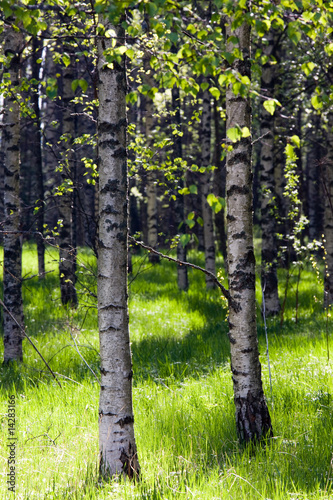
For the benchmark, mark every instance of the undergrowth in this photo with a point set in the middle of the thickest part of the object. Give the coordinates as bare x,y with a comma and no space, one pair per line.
183,398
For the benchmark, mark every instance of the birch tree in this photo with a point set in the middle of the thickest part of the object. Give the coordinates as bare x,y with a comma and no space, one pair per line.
252,416
67,250
151,189
118,455
267,185
206,188
328,214
12,242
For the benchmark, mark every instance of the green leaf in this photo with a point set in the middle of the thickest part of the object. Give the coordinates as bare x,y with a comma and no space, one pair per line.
66,60
215,92
200,221
296,140
234,134
191,215
185,239
270,105
308,67
193,189
316,102
190,223
329,49
246,132
130,53
151,9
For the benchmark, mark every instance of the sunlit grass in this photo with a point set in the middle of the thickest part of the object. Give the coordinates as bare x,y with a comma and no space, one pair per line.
183,398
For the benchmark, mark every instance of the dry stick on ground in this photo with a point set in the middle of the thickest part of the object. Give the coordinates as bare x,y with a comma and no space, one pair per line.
33,345
225,292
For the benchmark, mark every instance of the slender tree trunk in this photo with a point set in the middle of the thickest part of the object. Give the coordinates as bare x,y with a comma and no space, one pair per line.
252,416
37,145
206,189
267,185
67,250
219,182
315,195
151,189
182,275
12,279
116,430
328,214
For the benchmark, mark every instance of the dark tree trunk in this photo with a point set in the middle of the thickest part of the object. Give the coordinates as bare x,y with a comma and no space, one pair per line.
12,266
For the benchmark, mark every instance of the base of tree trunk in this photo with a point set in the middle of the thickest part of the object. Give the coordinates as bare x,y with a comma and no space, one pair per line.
252,418
130,469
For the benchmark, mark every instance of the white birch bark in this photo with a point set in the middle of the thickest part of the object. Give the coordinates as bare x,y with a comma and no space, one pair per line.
328,215
12,267
252,416
267,184
118,454
206,189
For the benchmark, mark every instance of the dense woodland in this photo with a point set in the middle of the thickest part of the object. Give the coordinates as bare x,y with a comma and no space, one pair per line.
161,129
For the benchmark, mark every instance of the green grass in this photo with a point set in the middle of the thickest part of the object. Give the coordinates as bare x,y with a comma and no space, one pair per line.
183,398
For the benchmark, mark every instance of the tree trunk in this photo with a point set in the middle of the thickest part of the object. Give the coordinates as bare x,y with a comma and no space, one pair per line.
182,275
151,189
37,144
12,279
206,189
252,416
328,214
315,195
116,430
219,182
67,250
268,223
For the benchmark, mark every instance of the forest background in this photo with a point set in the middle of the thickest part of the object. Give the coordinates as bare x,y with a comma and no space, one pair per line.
187,64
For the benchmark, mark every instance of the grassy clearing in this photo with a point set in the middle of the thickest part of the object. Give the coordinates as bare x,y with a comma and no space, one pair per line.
183,397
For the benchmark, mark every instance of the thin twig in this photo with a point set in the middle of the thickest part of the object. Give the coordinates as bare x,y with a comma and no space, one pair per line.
225,292
31,342
77,350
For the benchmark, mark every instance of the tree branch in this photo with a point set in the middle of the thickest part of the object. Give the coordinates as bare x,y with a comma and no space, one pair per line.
225,292
31,342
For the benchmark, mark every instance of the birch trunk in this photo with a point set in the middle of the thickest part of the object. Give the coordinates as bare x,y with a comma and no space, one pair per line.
151,189
328,215
182,276
315,196
267,184
206,189
116,422
37,142
67,250
12,278
252,416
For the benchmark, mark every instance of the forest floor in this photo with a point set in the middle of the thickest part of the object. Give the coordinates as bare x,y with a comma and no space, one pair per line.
183,397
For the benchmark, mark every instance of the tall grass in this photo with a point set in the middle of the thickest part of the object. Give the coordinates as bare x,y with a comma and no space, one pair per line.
183,398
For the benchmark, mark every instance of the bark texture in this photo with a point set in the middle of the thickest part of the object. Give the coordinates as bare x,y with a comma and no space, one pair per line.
67,248
118,454
182,275
151,189
252,416
12,279
267,185
206,189
37,144
328,214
